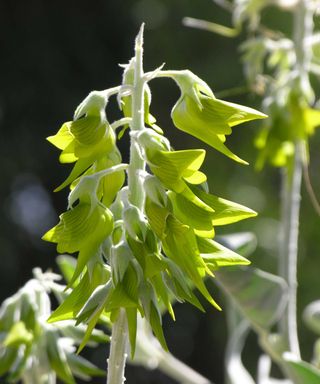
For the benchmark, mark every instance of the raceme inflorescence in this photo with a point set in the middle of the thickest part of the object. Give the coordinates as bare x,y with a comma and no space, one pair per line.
143,231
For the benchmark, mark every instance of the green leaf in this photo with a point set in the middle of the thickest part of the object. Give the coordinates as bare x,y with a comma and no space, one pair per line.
260,296
300,371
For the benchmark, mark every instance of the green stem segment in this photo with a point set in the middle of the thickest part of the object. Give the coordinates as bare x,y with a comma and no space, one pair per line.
119,338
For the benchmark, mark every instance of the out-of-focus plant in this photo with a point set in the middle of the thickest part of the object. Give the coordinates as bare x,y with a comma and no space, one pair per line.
145,244
33,351
278,68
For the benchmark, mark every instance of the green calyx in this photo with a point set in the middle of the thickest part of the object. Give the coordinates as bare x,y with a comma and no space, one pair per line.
142,251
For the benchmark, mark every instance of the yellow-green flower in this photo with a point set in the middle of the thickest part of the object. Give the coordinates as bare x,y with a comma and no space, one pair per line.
81,229
200,114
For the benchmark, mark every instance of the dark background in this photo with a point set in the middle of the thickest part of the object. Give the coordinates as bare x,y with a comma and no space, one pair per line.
53,53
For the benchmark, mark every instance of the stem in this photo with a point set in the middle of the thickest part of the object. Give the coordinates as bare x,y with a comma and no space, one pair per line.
119,338
117,359
291,193
289,250
136,193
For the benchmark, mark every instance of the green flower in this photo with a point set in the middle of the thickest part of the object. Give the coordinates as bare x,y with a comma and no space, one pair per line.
288,124
81,229
83,141
200,114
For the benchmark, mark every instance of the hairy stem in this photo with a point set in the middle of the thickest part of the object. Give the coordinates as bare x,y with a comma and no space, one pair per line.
289,248
137,164
303,26
118,347
119,338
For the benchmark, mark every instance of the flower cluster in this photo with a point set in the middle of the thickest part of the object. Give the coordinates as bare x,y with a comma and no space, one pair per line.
143,257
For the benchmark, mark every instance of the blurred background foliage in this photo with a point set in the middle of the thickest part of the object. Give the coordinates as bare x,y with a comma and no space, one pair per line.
52,55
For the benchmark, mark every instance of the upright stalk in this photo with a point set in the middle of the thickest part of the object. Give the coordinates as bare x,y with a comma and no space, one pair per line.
291,186
291,193
119,337
118,348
